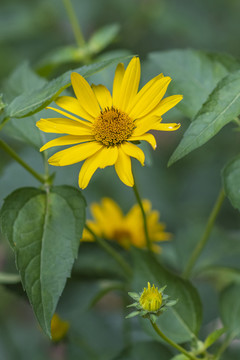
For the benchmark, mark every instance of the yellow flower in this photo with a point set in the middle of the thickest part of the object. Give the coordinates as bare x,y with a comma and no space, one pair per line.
106,126
151,298
111,224
59,328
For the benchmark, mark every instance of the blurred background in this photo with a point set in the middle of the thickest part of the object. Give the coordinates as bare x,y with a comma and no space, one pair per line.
31,30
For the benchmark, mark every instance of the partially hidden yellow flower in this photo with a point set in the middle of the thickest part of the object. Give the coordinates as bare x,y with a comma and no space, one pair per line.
111,223
105,127
59,328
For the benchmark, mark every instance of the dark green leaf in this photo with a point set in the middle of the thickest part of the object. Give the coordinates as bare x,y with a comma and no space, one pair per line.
231,181
145,350
194,75
230,309
182,321
44,229
222,106
35,100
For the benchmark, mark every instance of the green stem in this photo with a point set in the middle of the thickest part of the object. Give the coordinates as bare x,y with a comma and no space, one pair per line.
148,241
198,249
119,259
15,156
74,22
173,344
4,122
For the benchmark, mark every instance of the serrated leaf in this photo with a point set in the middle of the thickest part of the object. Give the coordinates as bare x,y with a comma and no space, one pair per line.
37,99
213,337
230,309
181,322
222,106
231,181
194,75
44,229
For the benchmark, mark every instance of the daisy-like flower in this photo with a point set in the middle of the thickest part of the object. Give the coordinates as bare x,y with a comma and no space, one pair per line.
105,127
110,223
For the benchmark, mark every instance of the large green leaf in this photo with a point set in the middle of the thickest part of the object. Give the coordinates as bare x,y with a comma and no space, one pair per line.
44,229
182,321
230,309
194,75
145,350
231,181
222,106
35,100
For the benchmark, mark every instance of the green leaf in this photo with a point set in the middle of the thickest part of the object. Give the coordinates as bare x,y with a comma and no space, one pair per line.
35,100
180,357
94,263
221,276
6,278
222,106
194,75
213,337
231,181
20,81
44,229
102,38
144,350
182,321
230,309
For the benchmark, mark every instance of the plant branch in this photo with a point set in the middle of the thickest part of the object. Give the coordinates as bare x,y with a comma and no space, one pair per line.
74,22
172,343
119,259
198,249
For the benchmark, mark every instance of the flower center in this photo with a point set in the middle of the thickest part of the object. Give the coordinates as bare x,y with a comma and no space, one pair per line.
112,127
151,299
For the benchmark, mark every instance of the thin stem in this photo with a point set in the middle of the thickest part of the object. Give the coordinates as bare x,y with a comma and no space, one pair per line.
173,344
74,22
15,156
4,122
148,241
198,249
124,265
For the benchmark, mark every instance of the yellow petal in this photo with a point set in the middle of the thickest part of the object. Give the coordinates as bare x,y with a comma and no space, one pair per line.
123,168
64,126
117,83
149,99
64,113
67,140
167,104
145,137
145,124
85,95
166,127
130,84
74,154
103,96
144,90
133,151
104,157
73,105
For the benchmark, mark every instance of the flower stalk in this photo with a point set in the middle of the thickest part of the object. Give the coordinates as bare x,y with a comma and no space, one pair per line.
15,156
74,23
172,343
138,198
201,244
119,259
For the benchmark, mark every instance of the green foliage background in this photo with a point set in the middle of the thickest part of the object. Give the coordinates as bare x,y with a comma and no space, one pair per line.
37,35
